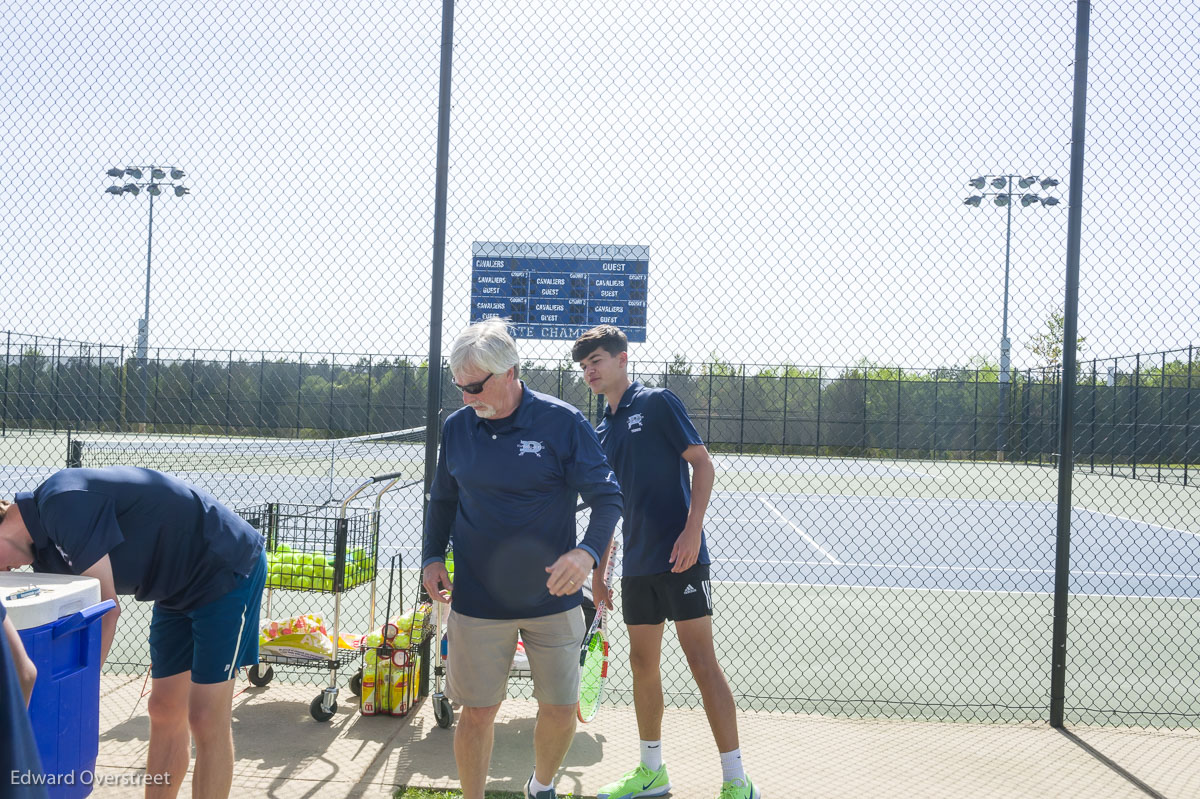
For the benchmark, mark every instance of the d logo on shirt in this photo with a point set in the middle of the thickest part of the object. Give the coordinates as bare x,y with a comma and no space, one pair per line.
530,448
635,423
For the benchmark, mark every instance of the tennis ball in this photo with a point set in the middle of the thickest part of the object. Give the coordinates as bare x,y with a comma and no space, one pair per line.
304,583
306,559
358,553
373,640
283,548
320,560
328,572
401,640
286,558
307,570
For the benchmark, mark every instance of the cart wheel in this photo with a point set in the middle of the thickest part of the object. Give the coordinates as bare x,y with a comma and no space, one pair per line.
443,713
356,683
259,676
319,713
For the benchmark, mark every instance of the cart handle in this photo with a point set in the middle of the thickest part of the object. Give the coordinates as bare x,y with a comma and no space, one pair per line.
394,477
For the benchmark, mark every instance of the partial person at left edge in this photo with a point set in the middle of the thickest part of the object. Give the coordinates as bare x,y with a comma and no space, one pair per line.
161,540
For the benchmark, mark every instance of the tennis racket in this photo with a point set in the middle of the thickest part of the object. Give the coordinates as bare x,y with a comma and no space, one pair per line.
593,656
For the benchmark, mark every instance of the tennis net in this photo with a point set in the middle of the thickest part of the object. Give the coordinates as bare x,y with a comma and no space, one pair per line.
328,461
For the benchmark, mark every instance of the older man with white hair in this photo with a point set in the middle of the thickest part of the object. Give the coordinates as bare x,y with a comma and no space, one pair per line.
512,463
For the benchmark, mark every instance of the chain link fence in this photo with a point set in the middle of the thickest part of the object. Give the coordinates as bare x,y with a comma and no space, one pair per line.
882,186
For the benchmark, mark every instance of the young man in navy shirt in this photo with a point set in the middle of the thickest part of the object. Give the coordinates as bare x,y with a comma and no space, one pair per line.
512,463
651,442
145,533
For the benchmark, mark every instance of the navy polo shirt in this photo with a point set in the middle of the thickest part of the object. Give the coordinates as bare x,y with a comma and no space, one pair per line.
644,440
167,541
18,747
508,489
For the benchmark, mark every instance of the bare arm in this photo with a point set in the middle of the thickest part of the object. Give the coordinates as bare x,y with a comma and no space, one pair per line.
102,571
687,547
26,671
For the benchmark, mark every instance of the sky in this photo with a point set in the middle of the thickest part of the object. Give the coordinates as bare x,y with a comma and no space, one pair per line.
797,170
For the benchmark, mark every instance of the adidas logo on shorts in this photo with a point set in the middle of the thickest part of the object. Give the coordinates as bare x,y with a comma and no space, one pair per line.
689,590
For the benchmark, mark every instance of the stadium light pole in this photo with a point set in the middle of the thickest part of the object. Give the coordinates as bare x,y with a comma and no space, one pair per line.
153,179
1007,190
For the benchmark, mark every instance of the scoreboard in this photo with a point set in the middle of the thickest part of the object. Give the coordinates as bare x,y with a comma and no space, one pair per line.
558,291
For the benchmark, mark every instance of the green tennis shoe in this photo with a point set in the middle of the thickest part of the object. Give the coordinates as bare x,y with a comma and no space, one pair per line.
739,789
640,782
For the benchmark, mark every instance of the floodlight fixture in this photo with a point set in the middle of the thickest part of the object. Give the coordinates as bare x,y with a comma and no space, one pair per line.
974,199
132,188
1050,201
156,173
1025,183
133,172
181,191
1001,200
176,174
154,189
1049,183
978,183
114,190
999,182
1029,199
115,172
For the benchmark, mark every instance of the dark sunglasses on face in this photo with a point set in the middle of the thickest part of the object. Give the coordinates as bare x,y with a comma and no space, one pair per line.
473,388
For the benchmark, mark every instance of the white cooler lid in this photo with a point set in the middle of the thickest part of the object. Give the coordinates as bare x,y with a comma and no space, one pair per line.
59,595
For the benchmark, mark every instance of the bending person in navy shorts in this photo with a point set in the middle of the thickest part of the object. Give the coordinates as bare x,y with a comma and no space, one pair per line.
145,533
650,443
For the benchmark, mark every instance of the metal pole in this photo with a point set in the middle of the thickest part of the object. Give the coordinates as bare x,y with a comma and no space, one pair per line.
819,389
434,404
1062,557
7,359
144,327
1137,389
1162,402
1004,343
1187,416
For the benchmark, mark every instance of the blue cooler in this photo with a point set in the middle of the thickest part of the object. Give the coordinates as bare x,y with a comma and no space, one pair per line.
58,618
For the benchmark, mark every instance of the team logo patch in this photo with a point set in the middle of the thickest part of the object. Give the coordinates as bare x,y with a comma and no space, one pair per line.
635,423
530,448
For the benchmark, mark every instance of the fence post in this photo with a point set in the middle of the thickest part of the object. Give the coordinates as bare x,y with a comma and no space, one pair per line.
975,421
1137,392
370,376
262,378
820,390
332,373
57,382
7,359
933,444
1092,437
742,419
1062,544
708,434
1162,401
299,387
783,449
898,393
228,391
157,378
1187,419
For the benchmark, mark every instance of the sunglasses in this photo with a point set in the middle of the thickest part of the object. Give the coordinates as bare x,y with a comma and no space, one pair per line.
473,388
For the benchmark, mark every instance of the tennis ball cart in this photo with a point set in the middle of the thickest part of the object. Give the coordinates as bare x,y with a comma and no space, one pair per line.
319,550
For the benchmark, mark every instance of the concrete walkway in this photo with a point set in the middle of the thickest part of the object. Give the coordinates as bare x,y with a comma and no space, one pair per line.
282,752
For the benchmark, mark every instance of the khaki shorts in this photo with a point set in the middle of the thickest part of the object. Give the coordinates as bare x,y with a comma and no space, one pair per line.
481,654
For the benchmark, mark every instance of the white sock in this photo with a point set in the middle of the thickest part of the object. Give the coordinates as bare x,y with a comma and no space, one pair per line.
652,754
731,766
536,787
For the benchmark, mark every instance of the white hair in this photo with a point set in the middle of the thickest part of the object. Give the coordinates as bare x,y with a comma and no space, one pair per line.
485,345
